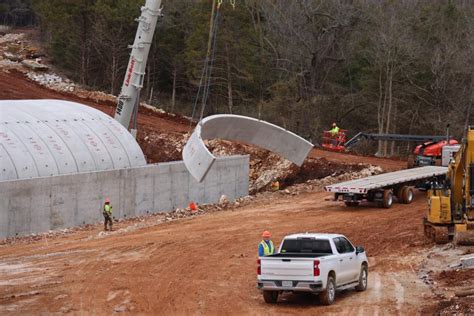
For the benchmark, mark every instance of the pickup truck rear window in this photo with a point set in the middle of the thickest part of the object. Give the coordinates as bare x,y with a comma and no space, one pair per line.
306,246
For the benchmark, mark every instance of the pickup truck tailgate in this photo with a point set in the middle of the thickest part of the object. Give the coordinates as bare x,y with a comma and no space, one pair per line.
297,269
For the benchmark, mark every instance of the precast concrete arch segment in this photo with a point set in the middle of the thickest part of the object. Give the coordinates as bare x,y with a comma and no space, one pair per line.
198,159
41,138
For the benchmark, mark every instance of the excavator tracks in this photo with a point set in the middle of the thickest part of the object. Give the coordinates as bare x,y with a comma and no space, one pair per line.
437,234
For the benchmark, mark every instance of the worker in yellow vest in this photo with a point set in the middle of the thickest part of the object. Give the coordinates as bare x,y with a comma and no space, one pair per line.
334,134
107,212
266,248
275,185
334,130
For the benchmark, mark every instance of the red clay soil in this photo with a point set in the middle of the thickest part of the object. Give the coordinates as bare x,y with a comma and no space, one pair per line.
458,277
388,164
319,168
15,86
207,264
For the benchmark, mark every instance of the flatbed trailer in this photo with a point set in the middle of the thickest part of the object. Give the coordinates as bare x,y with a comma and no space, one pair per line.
383,187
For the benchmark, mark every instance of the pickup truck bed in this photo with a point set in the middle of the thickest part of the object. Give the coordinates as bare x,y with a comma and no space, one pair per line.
297,255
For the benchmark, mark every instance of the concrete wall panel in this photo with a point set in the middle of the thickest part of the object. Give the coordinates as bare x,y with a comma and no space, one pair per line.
41,204
199,160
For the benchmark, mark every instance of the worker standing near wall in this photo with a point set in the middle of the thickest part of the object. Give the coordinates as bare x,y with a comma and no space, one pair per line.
107,212
266,248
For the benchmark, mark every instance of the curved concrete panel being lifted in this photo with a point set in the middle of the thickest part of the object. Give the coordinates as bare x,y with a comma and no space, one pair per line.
199,160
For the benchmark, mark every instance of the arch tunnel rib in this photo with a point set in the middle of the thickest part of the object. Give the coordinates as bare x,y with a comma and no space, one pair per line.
198,159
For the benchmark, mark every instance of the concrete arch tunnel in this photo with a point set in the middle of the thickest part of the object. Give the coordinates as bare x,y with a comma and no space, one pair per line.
199,160
42,138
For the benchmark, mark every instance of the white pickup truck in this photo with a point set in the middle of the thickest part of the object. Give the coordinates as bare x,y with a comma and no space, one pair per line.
316,263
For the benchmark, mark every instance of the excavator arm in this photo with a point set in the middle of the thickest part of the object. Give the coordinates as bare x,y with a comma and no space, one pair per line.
461,176
451,211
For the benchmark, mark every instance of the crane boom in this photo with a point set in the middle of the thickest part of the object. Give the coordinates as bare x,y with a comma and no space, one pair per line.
135,73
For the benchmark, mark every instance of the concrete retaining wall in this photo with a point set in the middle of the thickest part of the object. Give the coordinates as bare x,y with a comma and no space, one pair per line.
42,204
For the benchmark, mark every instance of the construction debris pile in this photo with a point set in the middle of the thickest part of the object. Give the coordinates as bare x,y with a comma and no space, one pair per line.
443,271
52,81
265,166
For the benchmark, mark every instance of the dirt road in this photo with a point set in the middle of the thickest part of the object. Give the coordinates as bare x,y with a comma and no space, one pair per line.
207,265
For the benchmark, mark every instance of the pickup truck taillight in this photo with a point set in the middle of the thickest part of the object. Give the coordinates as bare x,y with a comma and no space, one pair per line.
259,267
316,268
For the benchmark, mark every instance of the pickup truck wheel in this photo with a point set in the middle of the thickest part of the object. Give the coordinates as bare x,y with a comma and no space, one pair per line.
270,297
363,279
329,294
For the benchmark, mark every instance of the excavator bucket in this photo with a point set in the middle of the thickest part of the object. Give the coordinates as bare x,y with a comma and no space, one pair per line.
464,235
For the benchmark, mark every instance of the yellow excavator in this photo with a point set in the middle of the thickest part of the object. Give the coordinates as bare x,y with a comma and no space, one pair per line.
451,202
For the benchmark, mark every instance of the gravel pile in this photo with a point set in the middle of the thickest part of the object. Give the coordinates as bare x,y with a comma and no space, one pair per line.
52,81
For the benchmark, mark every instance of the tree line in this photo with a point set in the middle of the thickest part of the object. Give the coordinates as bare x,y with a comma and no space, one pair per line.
376,66
17,13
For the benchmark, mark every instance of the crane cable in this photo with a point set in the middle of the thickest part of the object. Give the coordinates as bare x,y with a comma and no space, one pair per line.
205,81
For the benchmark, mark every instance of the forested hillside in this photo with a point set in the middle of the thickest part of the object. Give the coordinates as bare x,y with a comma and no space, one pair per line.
17,13
376,66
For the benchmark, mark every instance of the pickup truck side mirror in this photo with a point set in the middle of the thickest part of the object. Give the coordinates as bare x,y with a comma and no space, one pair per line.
359,250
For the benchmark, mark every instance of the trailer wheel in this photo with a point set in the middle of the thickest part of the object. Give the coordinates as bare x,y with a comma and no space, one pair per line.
387,198
398,192
407,195
270,297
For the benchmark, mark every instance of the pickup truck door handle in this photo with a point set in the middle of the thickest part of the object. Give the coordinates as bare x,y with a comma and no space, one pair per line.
340,260
350,258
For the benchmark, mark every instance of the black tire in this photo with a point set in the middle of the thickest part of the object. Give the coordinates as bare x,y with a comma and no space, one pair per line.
328,296
407,195
387,198
398,192
363,278
270,297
